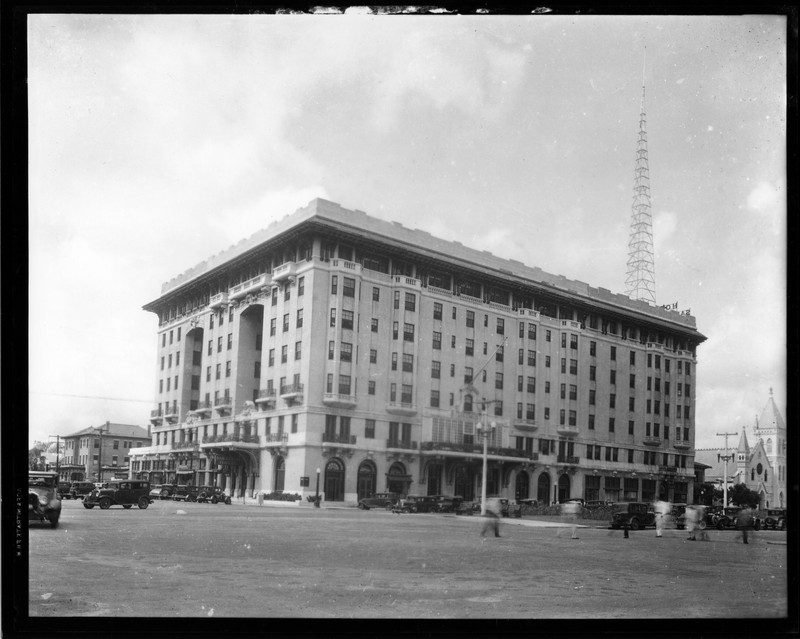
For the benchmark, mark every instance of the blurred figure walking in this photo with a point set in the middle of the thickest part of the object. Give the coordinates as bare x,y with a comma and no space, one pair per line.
744,522
701,521
492,521
569,512
691,517
662,509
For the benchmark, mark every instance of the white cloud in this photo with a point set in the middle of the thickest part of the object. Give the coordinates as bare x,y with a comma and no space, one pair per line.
764,197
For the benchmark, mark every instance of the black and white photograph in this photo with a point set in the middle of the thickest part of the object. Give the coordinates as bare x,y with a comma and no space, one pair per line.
404,314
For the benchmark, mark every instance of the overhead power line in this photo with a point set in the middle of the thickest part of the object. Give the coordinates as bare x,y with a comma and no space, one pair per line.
109,399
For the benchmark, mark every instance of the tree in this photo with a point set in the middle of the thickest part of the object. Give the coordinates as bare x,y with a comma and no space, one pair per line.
706,493
741,495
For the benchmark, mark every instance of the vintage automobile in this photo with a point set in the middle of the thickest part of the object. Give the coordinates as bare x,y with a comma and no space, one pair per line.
633,515
506,509
448,503
729,518
379,500
775,519
678,514
79,489
63,490
162,491
43,502
416,504
123,493
186,492
212,495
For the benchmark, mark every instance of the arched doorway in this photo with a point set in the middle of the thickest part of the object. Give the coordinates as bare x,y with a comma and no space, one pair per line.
543,489
367,474
334,480
563,488
397,479
522,487
434,479
280,471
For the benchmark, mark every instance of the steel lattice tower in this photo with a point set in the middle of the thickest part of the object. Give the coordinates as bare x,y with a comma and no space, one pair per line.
640,283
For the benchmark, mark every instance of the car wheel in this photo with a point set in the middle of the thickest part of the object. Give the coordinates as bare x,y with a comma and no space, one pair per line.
144,502
191,498
757,525
105,503
720,524
53,518
214,499
88,506
164,494
634,524
362,506
126,506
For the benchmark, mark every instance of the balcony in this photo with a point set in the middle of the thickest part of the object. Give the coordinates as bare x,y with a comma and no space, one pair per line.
669,470
184,446
291,392
477,450
682,444
339,399
529,425
655,346
252,285
529,312
284,272
171,414
567,431
399,443
651,441
346,265
568,459
156,416
335,438
401,408
266,396
220,299
407,281
234,439
570,324
276,438
223,404
203,408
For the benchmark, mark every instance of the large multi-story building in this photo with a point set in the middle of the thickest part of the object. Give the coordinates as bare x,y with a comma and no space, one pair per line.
101,452
338,345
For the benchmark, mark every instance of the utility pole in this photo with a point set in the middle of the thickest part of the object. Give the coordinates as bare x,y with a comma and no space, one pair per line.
58,446
725,458
100,451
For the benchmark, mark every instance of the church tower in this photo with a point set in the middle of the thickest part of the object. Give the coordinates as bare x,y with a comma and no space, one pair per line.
771,430
742,458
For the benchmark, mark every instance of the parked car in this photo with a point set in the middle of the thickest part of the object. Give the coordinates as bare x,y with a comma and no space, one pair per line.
775,519
212,494
79,489
728,518
185,493
533,503
633,515
379,500
162,491
123,493
416,504
505,508
598,503
678,515
448,503
64,490
43,501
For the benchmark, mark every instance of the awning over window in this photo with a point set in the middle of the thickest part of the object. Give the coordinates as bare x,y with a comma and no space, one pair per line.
399,477
184,471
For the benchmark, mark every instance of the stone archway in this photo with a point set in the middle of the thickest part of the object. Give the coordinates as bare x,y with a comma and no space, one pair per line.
397,479
564,486
543,489
334,480
522,486
280,472
367,479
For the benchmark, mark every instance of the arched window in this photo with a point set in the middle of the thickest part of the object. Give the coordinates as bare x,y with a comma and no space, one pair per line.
334,480
752,474
280,470
765,475
468,404
769,446
563,488
543,489
523,486
367,475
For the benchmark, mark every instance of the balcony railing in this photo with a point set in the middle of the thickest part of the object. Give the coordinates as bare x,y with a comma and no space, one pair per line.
570,324
401,408
284,271
156,412
171,414
203,407
220,299
568,459
526,424
183,445
651,441
669,470
251,285
527,311
276,438
399,443
682,444
568,431
339,399
336,438
265,396
474,449
407,281
230,437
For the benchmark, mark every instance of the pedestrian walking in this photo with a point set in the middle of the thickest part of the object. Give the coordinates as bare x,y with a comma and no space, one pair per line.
691,518
569,512
701,522
492,517
744,522
662,509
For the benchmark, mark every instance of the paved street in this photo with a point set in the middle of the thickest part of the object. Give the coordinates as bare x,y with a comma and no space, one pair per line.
203,560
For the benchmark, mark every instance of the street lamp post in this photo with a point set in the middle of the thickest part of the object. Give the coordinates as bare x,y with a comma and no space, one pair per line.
316,496
485,429
100,452
725,458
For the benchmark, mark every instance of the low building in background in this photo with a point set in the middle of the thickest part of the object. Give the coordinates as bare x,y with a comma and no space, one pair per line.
338,344
100,452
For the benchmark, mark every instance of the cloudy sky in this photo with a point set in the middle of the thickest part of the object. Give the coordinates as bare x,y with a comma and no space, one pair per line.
158,141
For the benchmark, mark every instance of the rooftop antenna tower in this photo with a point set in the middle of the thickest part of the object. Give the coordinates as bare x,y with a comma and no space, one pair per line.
640,282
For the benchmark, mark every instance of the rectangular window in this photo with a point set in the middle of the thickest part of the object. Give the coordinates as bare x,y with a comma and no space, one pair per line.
287,294
633,358
632,381
613,353
408,332
299,323
437,310
530,411
531,331
592,373
593,349
257,370
531,358
373,356
658,362
271,359
563,340
348,290
666,365
468,375
573,342
573,391
210,346
376,297
346,352
611,424
591,422
371,387
469,349
334,284
219,344
498,408
406,393
547,361
573,367
563,364
573,418
592,397
284,353
499,354
547,387
437,341
394,361
531,388
227,369
301,285
411,302
408,362
434,399
562,417
436,369
344,383
498,381
286,323
501,326
219,371
274,299
333,321
563,391
208,373
347,319
374,325
369,429
612,401
470,319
